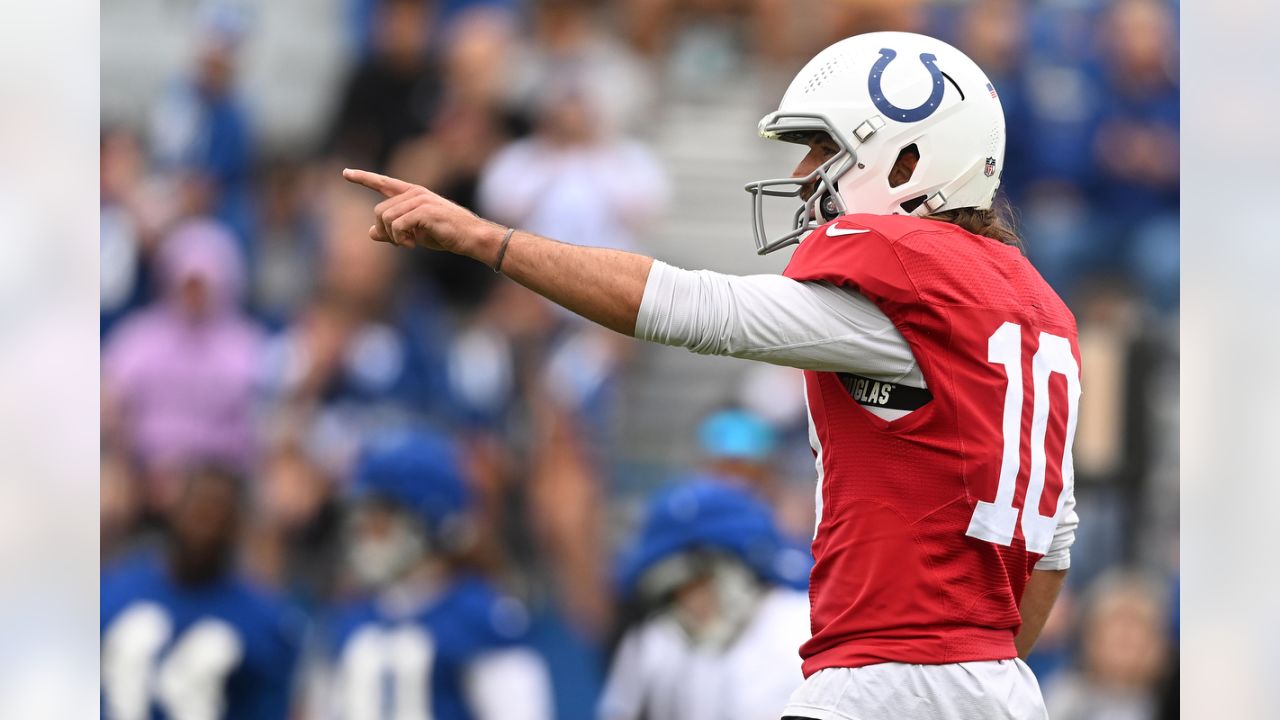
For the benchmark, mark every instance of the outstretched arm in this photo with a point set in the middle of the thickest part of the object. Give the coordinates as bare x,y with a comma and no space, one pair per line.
760,317
605,286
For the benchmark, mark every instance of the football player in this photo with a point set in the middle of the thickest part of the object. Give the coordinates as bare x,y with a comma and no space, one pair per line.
942,373
183,635
433,639
719,601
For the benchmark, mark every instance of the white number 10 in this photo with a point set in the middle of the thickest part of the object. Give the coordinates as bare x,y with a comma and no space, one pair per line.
995,521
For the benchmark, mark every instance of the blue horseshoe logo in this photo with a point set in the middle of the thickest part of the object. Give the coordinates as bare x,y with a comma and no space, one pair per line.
908,115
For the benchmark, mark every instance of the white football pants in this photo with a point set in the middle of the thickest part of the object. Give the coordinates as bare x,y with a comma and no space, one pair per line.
987,690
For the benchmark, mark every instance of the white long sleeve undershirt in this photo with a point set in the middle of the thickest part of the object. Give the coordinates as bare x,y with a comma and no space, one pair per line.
806,325
812,326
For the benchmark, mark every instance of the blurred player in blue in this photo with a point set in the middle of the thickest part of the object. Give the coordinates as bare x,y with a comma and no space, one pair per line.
184,636
721,607
433,638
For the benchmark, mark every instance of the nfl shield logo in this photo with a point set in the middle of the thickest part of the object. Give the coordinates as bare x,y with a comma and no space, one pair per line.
990,169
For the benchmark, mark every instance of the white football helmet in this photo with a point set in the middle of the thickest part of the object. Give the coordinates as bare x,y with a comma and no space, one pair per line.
874,95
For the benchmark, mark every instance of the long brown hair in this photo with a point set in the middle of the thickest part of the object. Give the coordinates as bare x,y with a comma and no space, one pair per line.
999,222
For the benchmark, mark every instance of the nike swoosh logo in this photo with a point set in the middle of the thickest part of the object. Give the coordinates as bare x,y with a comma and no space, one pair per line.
836,230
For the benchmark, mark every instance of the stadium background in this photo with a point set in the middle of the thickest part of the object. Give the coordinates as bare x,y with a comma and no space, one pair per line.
243,115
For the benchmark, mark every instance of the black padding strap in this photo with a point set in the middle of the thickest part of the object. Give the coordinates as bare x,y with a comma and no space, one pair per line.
877,393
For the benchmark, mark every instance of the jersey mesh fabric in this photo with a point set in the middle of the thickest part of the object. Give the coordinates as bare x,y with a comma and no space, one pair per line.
896,578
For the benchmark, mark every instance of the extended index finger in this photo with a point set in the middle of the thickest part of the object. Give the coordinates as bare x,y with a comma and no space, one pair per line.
388,186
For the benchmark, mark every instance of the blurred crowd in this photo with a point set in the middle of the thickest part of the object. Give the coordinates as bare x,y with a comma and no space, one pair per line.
256,344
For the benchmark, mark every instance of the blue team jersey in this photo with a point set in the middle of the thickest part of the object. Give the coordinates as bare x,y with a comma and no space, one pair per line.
226,650
412,664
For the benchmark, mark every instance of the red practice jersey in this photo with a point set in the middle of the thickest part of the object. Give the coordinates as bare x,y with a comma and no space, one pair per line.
929,525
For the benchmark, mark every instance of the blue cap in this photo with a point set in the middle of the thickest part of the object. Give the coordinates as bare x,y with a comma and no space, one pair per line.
418,470
738,435
705,513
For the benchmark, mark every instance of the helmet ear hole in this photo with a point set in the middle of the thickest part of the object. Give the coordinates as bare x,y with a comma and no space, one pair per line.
905,166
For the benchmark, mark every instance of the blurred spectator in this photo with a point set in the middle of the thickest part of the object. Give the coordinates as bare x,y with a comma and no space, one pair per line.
307,357
364,14
739,448
1135,147
992,33
121,507
540,487
516,353
301,525
392,94
452,10
845,18
433,628
475,119
362,351
1104,201
288,243
1123,654
1061,104
569,46
342,373
581,374
1122,480
776,395
566,512
493,356
125,242
179,376
201,134
705,41
719,611
574,180
183,634
362,273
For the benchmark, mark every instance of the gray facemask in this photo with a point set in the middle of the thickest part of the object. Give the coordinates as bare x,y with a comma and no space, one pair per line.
824,205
